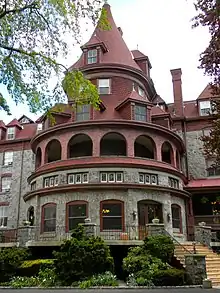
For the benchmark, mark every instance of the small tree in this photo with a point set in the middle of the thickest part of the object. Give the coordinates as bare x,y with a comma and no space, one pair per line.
82,257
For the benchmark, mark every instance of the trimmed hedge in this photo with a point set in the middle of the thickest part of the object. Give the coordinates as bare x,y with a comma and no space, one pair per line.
169,277
32,267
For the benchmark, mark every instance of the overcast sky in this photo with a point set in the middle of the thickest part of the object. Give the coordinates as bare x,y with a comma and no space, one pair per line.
162,30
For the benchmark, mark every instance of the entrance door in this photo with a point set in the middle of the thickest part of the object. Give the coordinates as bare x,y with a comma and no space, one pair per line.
147,211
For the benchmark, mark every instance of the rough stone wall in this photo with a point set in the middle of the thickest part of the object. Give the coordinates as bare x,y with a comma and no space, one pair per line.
22,167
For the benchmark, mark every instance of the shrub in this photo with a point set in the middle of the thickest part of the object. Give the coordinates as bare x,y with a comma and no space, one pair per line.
32,267
81,258
19,282
160,246
169,277
142,281
10,260
106,279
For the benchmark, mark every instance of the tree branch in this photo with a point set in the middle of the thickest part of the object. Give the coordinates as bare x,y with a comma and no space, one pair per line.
16,10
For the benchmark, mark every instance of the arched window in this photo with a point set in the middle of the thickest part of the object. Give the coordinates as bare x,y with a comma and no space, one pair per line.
144,147
80,145
38,158
53,151
112,215
30,215
176,218
113,144
48,217
76,213
167,153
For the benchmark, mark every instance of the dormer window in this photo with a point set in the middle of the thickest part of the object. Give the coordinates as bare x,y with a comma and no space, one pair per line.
104,86
140,113
82,112
92,56
141,91
11,133
205,108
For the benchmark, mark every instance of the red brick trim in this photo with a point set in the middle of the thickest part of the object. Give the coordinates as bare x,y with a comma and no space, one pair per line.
74,202
49,204
122,212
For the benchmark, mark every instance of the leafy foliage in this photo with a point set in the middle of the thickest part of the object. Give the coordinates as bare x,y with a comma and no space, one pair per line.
32,267
34,36
10,260
160,246
82,257
106,279
169,277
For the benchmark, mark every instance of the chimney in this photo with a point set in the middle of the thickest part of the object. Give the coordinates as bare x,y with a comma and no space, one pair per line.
177,91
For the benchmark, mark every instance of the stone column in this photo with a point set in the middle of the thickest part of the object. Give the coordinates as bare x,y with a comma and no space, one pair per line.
195,266
203,234
90,228
25,234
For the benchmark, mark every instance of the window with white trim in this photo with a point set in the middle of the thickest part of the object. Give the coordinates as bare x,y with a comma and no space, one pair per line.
6,184
140,113
82,112
39,126
78,178
8,159
92,56
174,183
146,178
104,86
111,177
205,108
3,215
141,91
51,181
10,133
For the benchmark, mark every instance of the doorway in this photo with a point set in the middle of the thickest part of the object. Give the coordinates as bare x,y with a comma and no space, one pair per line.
147,211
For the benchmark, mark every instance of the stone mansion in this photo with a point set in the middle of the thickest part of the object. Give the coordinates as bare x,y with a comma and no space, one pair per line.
135,160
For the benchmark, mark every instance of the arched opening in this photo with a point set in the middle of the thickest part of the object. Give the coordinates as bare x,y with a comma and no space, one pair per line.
80,145
167,153
178,163
148,210
176,218
30,215
53,151
38,158
48,217
144,147
113,144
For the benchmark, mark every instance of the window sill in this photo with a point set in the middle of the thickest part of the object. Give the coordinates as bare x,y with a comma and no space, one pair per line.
48,234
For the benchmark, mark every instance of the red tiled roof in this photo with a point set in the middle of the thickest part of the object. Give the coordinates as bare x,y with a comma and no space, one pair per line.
190,109
138,54
156,110
206,93
2,124
133,97
28,131
118,51
14,122
206,182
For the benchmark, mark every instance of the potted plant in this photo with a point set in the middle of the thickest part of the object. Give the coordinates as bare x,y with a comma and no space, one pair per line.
26,223
155,220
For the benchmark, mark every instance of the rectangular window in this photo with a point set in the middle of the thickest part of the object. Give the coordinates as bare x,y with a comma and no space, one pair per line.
39,126
46,182
56,180
78,178
141,178
146,178
8,159
6,184
11,133
104,86
119,177
71,179
174,183
3,216
49,218
104,177
111,216
205,108
33,186
141,92
140,113
213,171
77,213
111,177
92,56
154,179
82,112
176,219
85,178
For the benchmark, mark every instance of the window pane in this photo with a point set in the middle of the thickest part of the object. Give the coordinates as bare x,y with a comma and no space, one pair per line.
49,225
50,212
92,53
176,223
78,210
103,82
111,209
112,223
175,213
73,222
104,90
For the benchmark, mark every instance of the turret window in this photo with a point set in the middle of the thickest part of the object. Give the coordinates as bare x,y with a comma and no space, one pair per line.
141,92
104,86
11,133
82,112
140,113
92,56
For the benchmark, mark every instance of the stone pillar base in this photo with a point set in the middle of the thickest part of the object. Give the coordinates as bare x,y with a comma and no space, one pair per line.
195,266
155,229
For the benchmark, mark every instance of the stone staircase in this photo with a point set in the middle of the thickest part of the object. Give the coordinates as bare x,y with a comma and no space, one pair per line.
212,259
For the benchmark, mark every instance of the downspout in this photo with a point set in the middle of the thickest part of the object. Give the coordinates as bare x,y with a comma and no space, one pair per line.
20,188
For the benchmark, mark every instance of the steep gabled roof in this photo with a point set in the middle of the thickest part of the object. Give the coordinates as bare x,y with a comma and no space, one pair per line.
27,119
138,54
2,124
118,52
133,97
156,110
206,93
14,122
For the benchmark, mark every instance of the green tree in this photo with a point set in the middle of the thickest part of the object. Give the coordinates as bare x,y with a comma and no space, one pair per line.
209,16
82,257
33,38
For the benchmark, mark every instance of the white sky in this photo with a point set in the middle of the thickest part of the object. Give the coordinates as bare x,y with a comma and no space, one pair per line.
162,30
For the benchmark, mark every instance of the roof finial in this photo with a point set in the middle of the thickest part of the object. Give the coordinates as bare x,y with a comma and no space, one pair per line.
137,46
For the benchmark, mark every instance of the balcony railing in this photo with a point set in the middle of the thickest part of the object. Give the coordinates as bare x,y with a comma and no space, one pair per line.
210,220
